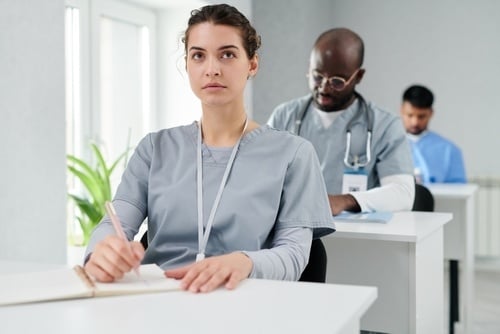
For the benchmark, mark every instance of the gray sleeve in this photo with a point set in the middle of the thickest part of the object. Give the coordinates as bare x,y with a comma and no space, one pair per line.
304,201
130,218
288,257
394,157
273,120
130,200
304,213
282,117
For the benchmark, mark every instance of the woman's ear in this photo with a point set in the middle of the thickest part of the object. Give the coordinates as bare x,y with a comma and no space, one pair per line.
254,66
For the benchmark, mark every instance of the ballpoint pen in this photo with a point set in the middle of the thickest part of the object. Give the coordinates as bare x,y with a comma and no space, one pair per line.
118,226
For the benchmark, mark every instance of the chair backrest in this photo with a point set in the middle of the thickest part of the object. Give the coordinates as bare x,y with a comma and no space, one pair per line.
315,270
424,201
144,240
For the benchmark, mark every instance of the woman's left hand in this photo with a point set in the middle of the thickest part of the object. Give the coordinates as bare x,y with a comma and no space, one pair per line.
212,272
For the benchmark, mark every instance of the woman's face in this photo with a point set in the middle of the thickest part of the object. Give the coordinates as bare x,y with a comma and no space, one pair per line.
217,64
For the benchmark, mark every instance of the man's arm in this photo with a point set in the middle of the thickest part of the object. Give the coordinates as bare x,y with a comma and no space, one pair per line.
339,203
456,167
396,193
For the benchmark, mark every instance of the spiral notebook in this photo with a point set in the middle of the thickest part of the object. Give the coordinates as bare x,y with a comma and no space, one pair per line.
72,283
363,217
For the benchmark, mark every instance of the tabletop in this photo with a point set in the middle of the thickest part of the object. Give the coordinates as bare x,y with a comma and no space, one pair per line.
255,306
405,226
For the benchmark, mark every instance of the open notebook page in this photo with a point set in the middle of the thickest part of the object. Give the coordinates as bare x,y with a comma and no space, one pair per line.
41,286
151,279
69,283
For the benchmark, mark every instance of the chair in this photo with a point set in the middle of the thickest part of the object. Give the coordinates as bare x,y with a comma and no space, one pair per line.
315,270
144,240
424,201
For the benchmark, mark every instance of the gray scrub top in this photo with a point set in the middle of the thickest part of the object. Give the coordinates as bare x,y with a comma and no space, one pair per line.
275,184
390,153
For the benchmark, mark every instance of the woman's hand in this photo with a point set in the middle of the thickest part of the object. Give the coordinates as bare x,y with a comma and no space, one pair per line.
113,257
212,272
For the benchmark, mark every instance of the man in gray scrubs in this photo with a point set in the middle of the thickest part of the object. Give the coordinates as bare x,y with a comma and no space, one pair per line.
364,156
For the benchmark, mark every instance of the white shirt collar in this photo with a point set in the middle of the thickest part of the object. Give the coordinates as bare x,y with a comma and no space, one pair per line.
327,117
415,138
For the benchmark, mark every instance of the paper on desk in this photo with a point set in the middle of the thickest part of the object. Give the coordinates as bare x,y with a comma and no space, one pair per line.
363,217
68,283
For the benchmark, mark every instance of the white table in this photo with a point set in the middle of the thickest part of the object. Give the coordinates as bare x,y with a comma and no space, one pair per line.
404,259
458,248
256,306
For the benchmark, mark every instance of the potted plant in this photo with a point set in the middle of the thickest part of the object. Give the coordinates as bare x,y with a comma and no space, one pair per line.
97,185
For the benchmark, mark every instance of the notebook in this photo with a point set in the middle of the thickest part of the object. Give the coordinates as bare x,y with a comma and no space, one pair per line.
363,217
72,283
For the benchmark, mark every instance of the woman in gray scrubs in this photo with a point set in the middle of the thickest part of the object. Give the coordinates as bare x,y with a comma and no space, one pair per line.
225,198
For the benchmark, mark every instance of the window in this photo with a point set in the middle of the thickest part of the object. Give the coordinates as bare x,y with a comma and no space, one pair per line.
122,78
110,83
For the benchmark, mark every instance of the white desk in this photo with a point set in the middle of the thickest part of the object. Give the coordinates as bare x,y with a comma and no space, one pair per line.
256,306
404,259
459,244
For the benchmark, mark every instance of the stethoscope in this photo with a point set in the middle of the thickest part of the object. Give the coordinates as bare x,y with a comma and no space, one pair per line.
355,163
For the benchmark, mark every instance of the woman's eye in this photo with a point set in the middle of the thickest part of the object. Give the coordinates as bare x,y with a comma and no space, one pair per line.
228,55
197,56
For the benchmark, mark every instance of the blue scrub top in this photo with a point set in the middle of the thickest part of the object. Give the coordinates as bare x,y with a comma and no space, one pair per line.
438,159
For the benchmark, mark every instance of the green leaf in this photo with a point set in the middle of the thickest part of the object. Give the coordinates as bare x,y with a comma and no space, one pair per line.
97,186
91,210
91,182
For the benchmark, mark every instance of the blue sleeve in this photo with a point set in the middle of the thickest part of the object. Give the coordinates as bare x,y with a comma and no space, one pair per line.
456,171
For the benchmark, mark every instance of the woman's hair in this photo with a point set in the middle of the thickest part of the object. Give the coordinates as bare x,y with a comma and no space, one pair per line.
225,15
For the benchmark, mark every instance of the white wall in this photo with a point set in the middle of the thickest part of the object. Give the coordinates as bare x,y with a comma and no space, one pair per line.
32,131
288,30
450,46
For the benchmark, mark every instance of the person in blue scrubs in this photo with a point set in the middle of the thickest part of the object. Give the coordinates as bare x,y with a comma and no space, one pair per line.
364,155
225,198
436,159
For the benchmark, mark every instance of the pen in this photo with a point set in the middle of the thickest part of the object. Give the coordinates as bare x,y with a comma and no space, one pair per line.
110,209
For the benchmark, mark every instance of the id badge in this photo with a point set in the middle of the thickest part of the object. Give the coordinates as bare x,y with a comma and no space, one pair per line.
354,180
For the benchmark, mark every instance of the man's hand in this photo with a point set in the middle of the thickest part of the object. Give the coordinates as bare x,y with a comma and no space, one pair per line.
339,203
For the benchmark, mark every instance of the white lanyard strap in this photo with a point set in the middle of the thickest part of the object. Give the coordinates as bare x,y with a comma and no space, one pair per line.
203,237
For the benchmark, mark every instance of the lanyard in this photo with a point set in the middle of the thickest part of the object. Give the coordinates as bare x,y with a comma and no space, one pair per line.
203,236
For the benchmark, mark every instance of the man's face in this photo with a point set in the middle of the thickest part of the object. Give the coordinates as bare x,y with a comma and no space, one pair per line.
415,120
326,63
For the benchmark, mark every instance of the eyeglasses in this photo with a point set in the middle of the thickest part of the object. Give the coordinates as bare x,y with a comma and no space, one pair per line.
337,83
